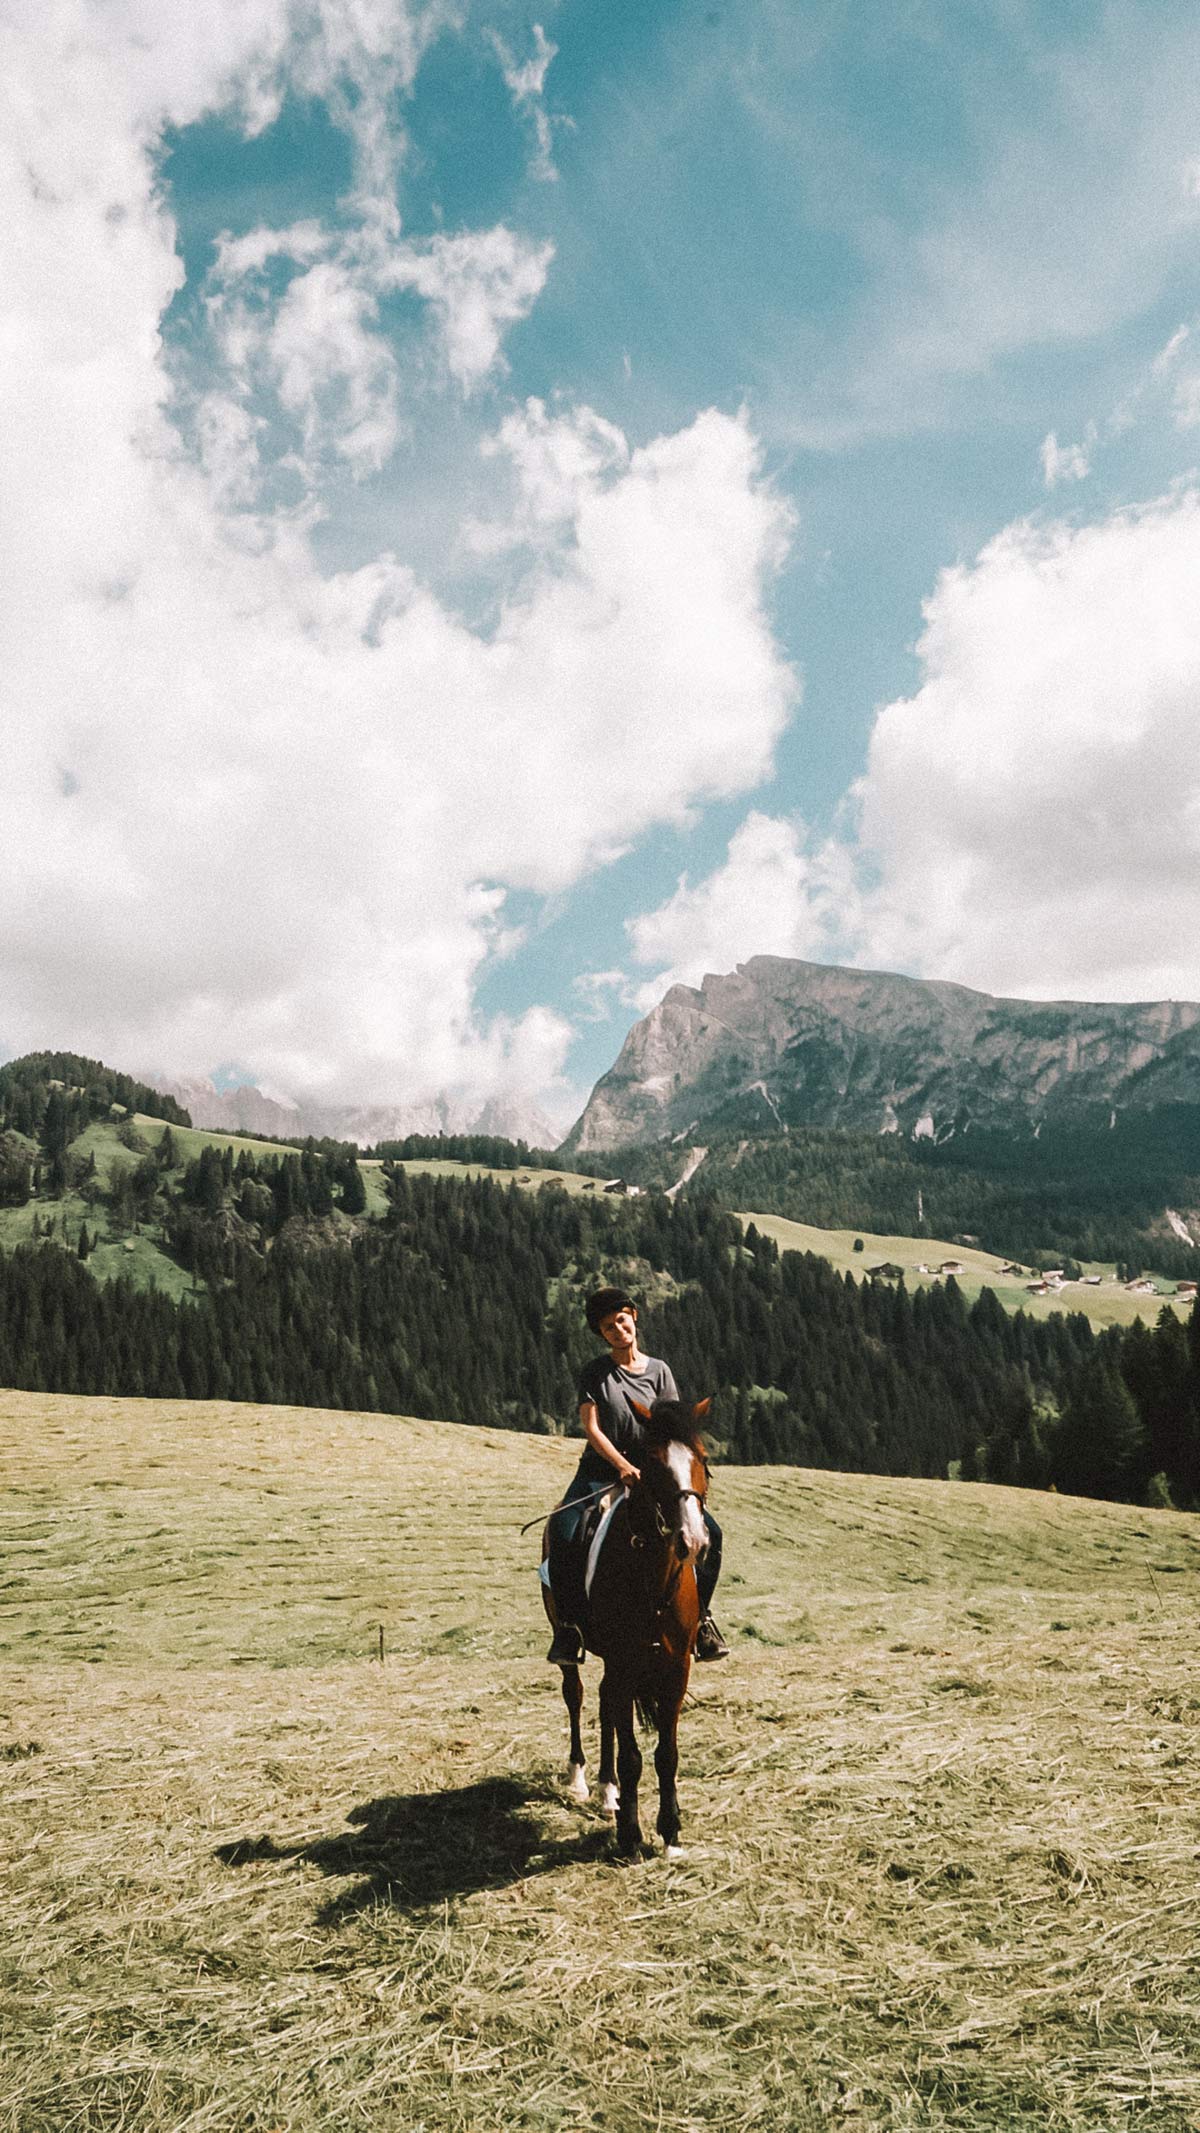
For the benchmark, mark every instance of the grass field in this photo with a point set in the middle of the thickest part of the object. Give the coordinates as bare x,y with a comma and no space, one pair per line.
1109,1305
572,1181
940,1806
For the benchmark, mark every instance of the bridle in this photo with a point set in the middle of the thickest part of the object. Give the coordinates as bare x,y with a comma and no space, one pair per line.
678,1496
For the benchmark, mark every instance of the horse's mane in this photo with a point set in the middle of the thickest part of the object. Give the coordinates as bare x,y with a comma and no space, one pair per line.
673,1422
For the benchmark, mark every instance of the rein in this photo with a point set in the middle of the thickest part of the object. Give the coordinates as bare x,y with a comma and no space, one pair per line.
700,1496
591,1497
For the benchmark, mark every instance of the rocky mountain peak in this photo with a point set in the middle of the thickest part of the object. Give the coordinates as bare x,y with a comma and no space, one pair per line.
789,1042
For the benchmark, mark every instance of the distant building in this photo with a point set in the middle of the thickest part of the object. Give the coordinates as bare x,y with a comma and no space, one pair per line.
951,1266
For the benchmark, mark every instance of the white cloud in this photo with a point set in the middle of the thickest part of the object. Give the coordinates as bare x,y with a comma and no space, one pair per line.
555,459
252,812
1067,462
1169,369
1033,812
526,84
597,991
309,363
1167,356
772,896
478,284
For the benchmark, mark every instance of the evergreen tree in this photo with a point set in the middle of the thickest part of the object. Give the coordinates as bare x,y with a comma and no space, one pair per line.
1100,1439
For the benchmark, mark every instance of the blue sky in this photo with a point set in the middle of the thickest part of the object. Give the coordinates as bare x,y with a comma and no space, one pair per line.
678,481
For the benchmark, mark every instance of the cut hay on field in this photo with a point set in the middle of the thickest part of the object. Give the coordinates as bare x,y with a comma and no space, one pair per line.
940,1808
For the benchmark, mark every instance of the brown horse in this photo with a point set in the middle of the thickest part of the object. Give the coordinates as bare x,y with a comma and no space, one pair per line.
642,1621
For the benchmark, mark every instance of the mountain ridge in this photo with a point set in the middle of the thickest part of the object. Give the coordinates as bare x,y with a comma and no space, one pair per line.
824,1045
249,1109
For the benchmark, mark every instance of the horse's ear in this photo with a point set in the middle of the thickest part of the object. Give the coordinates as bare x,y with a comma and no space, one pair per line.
642,1413
701,1409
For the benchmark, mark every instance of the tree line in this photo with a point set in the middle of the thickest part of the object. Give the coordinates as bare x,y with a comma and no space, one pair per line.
465,1303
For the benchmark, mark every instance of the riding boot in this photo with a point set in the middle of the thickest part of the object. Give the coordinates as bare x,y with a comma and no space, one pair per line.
566,1648
710,1644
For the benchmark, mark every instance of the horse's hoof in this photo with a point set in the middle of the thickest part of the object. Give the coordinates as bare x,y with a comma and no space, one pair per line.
609,1799
675,1851
577,1784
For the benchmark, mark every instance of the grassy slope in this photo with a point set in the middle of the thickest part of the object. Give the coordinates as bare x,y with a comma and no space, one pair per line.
572,1181
1107,1306
940,1805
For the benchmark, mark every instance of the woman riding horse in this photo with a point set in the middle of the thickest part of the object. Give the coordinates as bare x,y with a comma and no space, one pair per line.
612,1389
642,1622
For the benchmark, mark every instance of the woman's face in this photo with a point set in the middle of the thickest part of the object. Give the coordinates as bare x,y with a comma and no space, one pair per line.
619,1329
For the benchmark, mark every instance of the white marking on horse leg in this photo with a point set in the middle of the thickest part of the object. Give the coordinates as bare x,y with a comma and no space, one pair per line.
675,1851
577,1784
609,1796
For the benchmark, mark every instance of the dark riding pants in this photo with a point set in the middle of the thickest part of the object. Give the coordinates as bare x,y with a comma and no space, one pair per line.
565,1560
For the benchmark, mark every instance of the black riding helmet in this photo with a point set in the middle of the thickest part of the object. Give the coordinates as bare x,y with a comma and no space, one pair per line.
603,1303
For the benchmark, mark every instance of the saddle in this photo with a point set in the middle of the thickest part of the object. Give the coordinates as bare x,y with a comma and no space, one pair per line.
593,1529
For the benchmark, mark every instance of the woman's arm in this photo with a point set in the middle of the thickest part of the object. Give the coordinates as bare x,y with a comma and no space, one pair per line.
590,1417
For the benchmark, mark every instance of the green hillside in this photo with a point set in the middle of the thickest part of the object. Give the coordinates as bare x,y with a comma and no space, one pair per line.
1112,1303
939,1805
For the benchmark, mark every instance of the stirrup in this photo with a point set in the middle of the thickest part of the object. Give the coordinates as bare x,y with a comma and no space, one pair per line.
710,1644
566,1648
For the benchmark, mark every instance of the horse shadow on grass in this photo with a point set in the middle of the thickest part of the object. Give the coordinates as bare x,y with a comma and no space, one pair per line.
424,1849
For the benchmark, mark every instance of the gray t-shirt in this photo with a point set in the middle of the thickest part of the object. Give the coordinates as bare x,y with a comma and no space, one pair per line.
613,1389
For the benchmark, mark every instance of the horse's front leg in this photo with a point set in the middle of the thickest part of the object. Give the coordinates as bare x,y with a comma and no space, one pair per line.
666,1763
572,1688
607,1778
619,1704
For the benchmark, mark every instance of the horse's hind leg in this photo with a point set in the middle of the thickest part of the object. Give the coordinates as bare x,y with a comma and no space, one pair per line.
572,1688
666,1763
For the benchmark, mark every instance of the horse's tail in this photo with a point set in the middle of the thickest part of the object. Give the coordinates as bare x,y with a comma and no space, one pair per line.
647,1712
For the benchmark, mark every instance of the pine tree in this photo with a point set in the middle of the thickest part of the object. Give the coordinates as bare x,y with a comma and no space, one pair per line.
1100,1438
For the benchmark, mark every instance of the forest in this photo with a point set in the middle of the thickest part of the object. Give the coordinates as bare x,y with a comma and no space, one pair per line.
1081,1193
462,1299
465,1302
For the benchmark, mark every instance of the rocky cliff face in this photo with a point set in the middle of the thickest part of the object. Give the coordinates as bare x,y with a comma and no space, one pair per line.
794,1043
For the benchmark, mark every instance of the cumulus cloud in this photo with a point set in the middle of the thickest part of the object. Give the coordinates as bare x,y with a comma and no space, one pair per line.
1029,821
1032,814
251,811
773,895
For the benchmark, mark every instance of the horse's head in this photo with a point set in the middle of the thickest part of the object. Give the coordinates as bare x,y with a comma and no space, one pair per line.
674,1474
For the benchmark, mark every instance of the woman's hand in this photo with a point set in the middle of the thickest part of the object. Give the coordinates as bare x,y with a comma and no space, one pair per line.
628,1473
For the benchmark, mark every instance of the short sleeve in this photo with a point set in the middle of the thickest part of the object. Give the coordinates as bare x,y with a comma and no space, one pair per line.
670,1390
588,1385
